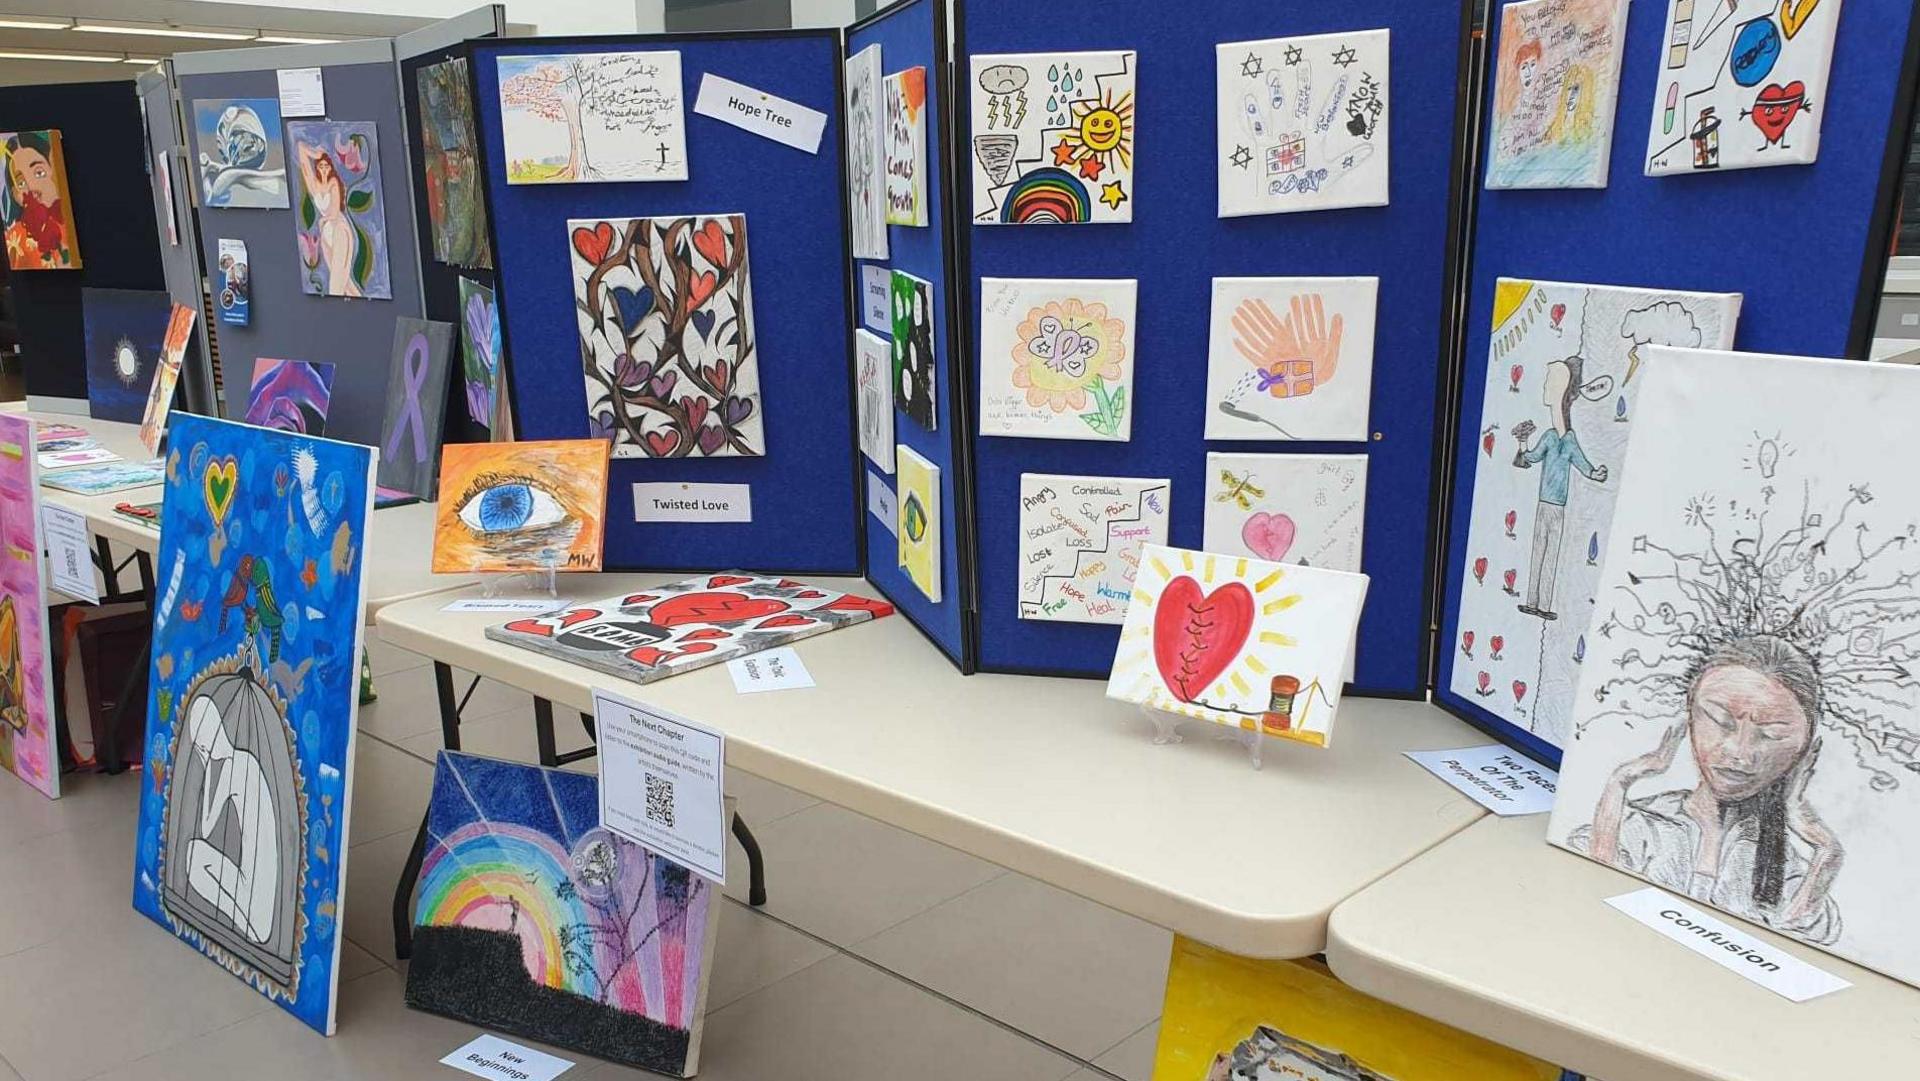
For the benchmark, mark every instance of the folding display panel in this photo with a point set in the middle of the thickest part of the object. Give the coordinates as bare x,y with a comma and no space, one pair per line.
803,486
1175,246
914,34
170,179
1805,246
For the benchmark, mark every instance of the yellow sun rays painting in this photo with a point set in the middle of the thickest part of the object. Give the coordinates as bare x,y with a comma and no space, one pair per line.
1240,642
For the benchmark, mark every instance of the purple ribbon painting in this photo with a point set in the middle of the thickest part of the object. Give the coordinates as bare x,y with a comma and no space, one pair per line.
414,366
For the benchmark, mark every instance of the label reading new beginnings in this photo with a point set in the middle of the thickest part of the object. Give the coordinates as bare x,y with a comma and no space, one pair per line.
1729,945
490,1056
1500,780
653,502
761,113
662,783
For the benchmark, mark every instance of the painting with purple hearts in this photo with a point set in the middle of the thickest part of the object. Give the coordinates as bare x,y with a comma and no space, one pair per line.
416,407
290,395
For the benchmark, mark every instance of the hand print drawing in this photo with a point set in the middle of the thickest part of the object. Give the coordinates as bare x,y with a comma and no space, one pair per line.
1303,123
1278,345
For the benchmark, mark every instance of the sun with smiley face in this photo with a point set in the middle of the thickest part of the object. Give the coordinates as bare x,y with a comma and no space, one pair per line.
1099,135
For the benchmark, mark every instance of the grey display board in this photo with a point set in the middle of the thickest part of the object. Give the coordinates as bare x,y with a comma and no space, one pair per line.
180,260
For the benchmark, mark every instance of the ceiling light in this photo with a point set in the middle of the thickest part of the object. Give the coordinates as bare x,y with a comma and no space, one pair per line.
291,39
160,30
49,54
30,22
144,61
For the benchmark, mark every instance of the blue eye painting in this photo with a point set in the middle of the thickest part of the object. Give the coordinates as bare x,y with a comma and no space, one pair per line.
521,506
509,505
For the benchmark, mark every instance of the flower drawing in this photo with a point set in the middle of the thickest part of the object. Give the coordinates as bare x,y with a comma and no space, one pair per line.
1068,349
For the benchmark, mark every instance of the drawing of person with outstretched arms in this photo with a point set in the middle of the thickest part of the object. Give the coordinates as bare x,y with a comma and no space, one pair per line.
1558,454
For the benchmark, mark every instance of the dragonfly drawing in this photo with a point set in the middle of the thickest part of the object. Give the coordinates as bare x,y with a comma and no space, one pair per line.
1240,490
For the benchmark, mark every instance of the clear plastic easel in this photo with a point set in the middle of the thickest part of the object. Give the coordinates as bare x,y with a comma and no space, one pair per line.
542,582
1285,697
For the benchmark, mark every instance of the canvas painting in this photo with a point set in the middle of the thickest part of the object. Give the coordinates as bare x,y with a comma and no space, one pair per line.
1056,358
1303,123
572,118
1244,643
1291,358
1080,543
290,395
173,353
874,383
1741,84
1562,385
1747,729
1053,138
257,631
36,212
235,294
665,311
340,220
107,477
914,357
905,95
29,737
416,406
866,155
456,210
125,329
1555,84
479,349
1306,509
163,169
534,919
531,506
689,625
917,522
242,161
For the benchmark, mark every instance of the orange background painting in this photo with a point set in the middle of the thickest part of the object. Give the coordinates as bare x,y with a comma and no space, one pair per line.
521,506
35,207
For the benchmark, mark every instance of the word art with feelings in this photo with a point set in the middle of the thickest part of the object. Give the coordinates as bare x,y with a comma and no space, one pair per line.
1080,541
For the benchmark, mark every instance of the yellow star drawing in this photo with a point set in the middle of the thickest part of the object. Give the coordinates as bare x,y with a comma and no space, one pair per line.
1113,195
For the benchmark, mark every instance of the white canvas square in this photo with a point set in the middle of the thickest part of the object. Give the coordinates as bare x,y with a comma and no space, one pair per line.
873,378
573,118
1747,727
1302,123
1306,509
1556,82
904,94
1056,358
1053,138
1741,84
1291,358
1080,541
866,155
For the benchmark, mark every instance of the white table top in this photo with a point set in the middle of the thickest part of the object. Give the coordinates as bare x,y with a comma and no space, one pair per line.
1045,776
1500,934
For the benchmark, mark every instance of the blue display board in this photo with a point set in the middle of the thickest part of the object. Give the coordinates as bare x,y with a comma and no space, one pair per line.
1806,245
914,34
1176,245
804,488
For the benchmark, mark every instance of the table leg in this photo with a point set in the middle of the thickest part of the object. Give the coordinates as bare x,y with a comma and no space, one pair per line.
449,709
144,563
103,552
107,755
543,732
756,867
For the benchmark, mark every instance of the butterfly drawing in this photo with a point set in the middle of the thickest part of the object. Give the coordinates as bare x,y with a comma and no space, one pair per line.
1240,490
1062,348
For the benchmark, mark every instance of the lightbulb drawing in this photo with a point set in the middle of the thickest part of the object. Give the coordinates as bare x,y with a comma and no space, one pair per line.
1768,458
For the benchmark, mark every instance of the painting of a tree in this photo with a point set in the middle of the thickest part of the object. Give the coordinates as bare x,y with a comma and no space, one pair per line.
584,117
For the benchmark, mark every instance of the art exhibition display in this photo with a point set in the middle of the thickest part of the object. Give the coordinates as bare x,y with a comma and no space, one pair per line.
340,220
456,206
290,395
905,116
1080,543
36,212
1291,358
684,626
570,118
125,331
1306,509
480,350
917,519
107,477
1745,729
1556,82
667,338
1564,372
241,158
533,506
1053,138
1245,643
867,176
873,387
1303,123
29,736
534,919
234,296
1056,358
255,687
173,353
416,405
915,386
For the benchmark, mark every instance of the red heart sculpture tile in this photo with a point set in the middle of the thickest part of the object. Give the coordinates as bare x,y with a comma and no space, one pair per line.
722,608
1196,637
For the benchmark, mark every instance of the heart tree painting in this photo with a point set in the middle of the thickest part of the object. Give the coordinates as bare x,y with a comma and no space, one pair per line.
340,222
666,336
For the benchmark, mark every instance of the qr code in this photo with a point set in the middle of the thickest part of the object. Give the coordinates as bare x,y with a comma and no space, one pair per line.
660,801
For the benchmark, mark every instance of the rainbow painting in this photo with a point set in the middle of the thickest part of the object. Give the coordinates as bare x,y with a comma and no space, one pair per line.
1047,197
532,919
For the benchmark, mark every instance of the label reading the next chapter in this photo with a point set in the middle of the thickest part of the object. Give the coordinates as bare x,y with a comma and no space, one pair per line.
1503,781
761,113
692,503
662,783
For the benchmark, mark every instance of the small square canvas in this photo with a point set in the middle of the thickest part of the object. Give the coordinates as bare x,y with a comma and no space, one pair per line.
456,209
1303,123
290,395
534,919
575,118
914,354
905,95
1556,81
1056,358
29,736
874,382
1305,509
1053,138
917,526
416,406
125,330
479,350
340,212
1244,643
173,353
36,210
866,154
1291,358
531,506
1080,542
242,161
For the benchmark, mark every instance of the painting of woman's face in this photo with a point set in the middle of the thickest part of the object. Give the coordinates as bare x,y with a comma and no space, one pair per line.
324,169
34,174
1747,730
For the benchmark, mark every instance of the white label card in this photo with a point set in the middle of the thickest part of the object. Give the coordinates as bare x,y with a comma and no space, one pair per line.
538,606
656,502
876,299
1730,945
84,456
1503,781
301,92
490,1056
662,780
69,552
769,670
761,113
882,503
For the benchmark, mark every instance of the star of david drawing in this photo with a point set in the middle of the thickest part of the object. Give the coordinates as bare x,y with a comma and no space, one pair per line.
1251,66
1347,162
1293,55
1346,57
1242,157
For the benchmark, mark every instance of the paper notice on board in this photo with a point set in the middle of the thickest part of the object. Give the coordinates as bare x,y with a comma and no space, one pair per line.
876,299
761,113
69,553
301,92
662,783
1503,781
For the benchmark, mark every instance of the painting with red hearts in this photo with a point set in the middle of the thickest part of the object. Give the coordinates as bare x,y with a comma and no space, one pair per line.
1562,388
667,341
1305,509
1245,643
1742,84
688,625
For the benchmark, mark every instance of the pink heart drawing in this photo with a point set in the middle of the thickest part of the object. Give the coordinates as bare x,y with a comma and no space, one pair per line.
1269,536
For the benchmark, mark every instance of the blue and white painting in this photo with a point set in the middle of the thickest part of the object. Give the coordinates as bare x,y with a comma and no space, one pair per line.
125,329
240,157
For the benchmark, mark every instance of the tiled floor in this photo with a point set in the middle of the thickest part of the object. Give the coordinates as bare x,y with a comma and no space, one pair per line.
879,957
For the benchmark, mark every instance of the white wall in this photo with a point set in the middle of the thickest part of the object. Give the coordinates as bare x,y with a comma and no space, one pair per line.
547,16
822,12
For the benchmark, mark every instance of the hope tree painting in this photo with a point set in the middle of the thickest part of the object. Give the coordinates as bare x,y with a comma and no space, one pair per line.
340,221
582,117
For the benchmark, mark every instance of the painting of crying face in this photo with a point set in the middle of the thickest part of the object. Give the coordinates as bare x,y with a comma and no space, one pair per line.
531,506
